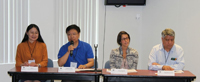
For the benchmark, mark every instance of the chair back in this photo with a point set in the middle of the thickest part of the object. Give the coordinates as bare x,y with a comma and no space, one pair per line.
107,65
50,63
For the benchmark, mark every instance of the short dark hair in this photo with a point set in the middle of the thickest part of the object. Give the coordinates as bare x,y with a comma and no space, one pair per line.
120,36
30,27
73,26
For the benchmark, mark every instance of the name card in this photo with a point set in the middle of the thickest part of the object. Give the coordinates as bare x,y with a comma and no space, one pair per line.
66,69
178,71
29,69
165,73
118,71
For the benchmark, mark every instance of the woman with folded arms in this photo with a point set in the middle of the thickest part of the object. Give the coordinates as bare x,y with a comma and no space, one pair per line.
124,56
32,50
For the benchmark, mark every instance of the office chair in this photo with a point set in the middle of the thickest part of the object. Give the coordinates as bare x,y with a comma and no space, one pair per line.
107,65
50,64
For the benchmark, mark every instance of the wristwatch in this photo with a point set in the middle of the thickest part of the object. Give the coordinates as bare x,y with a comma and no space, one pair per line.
39,65
85,66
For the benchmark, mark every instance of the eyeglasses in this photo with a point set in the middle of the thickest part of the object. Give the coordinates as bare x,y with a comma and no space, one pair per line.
72,34
125,38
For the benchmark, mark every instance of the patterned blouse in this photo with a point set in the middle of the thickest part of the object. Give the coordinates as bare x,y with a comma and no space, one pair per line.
117,61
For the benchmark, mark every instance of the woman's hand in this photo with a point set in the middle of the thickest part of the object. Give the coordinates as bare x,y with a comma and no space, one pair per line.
33,64
25,64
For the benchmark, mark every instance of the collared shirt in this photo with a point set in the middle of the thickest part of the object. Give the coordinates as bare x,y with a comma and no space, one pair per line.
174,58
116,58
80,54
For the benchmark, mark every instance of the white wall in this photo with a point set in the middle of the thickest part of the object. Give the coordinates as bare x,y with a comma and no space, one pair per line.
122,19
4,76
180,15
42,13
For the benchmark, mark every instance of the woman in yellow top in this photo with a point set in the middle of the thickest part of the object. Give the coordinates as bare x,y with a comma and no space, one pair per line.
32,50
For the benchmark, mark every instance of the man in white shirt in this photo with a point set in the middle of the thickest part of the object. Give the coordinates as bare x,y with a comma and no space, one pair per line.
167,55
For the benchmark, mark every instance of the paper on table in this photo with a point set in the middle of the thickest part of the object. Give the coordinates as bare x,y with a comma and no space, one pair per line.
165,73
131,70
66,69
29,69
178,71
84,69
128,70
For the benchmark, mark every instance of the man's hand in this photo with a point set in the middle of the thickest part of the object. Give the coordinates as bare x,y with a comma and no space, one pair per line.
70,48
167,68
154,63
81,67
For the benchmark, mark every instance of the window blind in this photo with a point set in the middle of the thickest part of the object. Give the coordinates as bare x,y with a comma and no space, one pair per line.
83,13
14,15
14,19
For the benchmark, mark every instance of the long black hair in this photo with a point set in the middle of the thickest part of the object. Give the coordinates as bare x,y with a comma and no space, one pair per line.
30,27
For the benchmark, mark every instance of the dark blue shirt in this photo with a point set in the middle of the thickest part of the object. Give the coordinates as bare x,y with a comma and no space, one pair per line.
80,54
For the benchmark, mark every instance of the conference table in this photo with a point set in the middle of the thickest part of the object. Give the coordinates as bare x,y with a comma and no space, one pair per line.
45,73
147,76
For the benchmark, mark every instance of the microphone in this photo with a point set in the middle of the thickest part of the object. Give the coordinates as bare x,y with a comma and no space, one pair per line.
95,46
71,52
